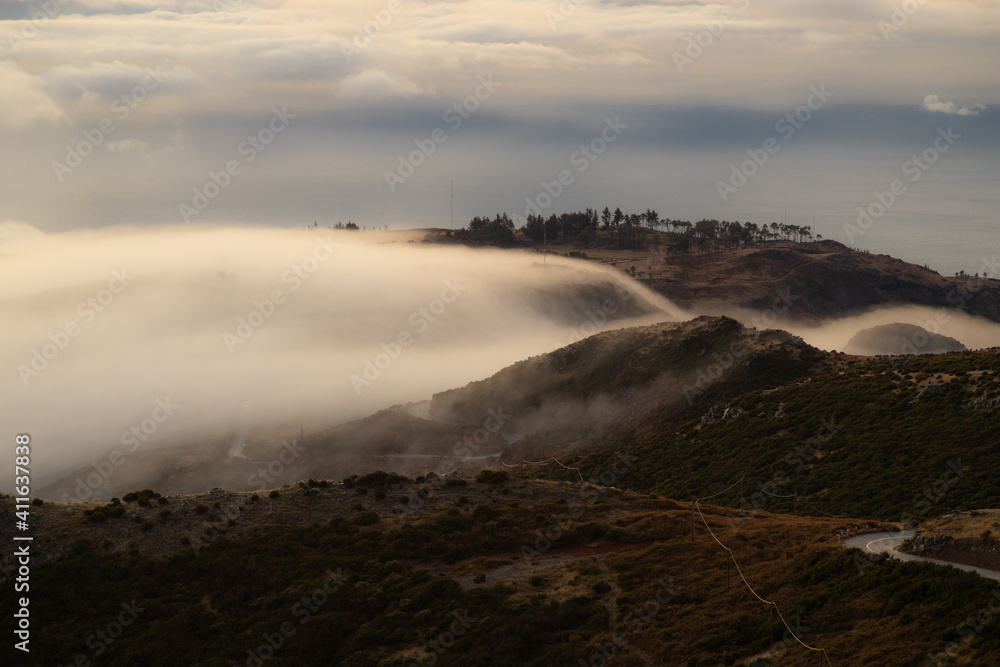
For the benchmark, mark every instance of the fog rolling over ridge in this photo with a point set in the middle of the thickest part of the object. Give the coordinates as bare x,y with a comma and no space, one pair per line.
973,332
132,339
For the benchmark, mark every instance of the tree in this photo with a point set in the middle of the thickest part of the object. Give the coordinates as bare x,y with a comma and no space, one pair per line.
534,228
552,228
652,218
606,217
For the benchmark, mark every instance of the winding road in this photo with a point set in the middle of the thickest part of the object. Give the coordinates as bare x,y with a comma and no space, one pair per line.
886,543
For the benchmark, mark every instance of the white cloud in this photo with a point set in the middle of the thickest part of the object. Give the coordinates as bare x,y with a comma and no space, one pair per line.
11,230
113,79
375,84
22,101
127,146
934,104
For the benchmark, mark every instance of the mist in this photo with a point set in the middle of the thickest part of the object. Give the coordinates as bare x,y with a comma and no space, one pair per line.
133,339
973,332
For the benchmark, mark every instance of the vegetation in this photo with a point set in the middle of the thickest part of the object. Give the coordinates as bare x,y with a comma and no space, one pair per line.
888,438
391,590
629,231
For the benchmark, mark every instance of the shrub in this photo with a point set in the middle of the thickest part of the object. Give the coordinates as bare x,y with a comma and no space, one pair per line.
201,509
274,494
601,587
492,476
591,531
342,526
368,519
485,513
616,534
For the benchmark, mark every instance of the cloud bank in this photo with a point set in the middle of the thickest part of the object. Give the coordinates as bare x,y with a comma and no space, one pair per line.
262,327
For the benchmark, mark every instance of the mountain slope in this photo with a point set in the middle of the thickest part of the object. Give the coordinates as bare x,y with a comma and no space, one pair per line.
895,438
470,578
815,281
628,381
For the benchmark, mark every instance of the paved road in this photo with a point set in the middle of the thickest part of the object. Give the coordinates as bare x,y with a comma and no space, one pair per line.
886,542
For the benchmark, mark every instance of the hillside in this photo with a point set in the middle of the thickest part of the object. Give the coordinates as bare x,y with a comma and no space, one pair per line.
597,557
465,575
824,279
900,338
893,438
815,280
620,383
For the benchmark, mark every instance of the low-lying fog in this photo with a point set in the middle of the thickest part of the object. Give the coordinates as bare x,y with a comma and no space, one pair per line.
973,332
136,338
128,338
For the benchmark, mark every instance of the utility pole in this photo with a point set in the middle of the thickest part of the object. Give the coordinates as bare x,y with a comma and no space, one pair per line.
545,243
692,519
453,204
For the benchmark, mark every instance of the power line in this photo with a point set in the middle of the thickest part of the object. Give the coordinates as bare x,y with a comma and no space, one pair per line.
732,556
513,465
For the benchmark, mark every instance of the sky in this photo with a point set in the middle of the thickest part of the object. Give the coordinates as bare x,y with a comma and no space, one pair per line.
284,113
